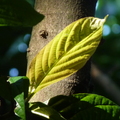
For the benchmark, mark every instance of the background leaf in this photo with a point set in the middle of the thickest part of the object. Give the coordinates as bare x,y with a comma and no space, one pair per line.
18,13
66,53
86,106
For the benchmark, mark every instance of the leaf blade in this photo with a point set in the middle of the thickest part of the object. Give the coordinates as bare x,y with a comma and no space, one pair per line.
20,106
45,111
98,108
66,53
85,106
19,90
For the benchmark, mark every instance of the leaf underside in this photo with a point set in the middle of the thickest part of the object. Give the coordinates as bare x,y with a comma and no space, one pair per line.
66,53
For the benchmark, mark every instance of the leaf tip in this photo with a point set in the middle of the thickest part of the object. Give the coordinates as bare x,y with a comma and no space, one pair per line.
106,16
104,20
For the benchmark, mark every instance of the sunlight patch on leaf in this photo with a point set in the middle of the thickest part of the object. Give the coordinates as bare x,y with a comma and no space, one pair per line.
45,111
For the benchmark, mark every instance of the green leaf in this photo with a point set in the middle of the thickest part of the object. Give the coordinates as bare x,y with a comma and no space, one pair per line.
20,106
60,102
5,91
45,111
34,105
87,107
18,85
19,88
97,108
18,13
66,53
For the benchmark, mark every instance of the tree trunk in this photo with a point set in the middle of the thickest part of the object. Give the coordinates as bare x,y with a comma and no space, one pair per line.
59,14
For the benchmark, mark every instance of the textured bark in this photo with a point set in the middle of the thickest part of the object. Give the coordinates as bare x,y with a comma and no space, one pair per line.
59,14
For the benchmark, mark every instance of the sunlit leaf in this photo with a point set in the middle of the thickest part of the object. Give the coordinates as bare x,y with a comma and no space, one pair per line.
84,106
18,13
45,111
66,53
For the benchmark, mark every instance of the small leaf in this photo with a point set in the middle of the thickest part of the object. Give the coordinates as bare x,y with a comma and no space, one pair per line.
45,111
19,88
60,102
20,106
86,107
18,13
66,53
